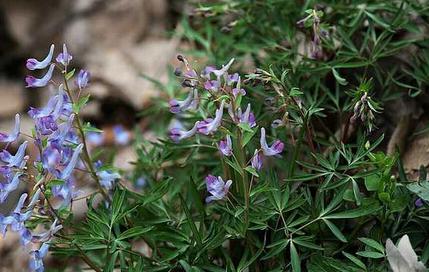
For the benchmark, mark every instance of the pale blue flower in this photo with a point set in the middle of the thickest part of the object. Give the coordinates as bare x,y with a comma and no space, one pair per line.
33,82
33,64
217,188
13,135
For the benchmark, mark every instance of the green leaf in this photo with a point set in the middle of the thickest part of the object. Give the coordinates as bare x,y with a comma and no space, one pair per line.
197,235
335,230
294,257
359,212
340,80
245,127
82,102
134,232
370,254
373,183
372,243
70,74
252,171
355,260
420,188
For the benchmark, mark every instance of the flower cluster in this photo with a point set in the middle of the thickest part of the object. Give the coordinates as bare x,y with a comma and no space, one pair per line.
225,91
60,145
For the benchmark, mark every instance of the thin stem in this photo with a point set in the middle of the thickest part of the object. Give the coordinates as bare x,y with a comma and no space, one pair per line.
88,160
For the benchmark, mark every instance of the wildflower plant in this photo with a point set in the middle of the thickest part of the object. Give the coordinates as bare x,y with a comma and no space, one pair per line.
279,168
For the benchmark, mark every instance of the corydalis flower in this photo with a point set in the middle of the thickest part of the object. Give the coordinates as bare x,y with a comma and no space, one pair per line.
107,178
65,174
247,117
82,79
225,146
7,188
217,188
33,82
64,57
256,161
36,258
238,90
190,103
217,72
211,125
33,64
177,134
274,149
120,135
403,257
17,160
13,135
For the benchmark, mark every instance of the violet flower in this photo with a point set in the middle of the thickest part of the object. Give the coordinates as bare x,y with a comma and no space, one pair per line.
13,135
33,64
225,146
7,188
217,188
64,57
95,138
53,107
275,149
419,202
17,160
190,103
238,90
65,174
256,161
211,125
231,79
36,258
247,117
33,82
178,134
47,235
218,73
120,135
82,79
212,85
107,178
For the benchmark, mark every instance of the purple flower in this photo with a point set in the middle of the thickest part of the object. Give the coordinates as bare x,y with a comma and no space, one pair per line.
277,123
217,188
121,136
257,160
36,258
7,188
190,103
17,160
33,64
231,79
211,125
13,135
64,58
177,134
54,106
140,182
419,203
238,90
51,158
95,138
65,174
276,147
107,178
47,235
82,79
247,117
33,82
218,73
212,85
225,146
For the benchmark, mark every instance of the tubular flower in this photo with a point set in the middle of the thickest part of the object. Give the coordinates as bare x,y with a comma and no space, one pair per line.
238,90
211,125
256,161
65,174
82,79
47,235
217,188
247,117
177,134
275,149
190,103
6,189
225,146
64,57
17,160
218,73
33,82
13,135
36,258
33,64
